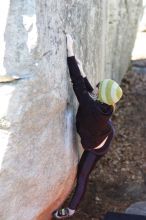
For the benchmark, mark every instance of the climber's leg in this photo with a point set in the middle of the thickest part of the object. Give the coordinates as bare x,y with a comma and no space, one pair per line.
85,166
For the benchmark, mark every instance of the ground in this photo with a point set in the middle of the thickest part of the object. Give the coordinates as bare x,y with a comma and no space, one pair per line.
119,178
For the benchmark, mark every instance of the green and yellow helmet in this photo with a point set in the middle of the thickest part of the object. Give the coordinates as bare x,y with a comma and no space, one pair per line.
109,92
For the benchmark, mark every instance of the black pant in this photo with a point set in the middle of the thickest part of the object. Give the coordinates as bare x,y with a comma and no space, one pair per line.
85,166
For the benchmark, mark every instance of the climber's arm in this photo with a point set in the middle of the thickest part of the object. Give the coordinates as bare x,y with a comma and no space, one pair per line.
77,79
87,84
74,71
78,82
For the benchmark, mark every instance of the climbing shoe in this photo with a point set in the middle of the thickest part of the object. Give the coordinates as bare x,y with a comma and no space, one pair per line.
62,213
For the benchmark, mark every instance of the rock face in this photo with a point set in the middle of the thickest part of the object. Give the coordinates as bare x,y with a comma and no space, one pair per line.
37,112
138,208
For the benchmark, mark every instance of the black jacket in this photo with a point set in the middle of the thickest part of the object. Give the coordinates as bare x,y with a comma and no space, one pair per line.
93,117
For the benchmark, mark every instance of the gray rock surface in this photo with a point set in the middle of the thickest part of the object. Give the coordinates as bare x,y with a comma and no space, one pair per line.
139,51
138,208
37,112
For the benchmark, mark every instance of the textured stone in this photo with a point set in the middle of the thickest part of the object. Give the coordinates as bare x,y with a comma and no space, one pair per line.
138,208
139,51
37,112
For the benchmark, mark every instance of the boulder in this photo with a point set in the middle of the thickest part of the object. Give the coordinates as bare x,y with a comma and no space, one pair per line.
138,208
39,147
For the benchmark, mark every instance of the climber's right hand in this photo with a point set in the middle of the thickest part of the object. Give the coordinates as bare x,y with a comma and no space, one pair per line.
69,42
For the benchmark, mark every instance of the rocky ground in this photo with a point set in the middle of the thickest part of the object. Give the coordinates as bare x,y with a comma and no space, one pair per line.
119,179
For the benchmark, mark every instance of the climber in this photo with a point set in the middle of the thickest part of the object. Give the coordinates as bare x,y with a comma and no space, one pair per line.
93,123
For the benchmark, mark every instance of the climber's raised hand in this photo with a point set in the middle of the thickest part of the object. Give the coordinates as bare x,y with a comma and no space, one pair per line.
69,43
70,52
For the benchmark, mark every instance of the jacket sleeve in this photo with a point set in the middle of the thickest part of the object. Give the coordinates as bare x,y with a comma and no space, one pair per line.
79,86
88,85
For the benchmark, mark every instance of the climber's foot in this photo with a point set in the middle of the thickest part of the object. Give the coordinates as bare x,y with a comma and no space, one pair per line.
63,213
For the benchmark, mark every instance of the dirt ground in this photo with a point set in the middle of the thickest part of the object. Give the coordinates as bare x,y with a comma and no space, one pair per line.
119,178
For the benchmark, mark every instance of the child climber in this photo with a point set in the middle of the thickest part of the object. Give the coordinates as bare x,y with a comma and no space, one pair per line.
93,123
